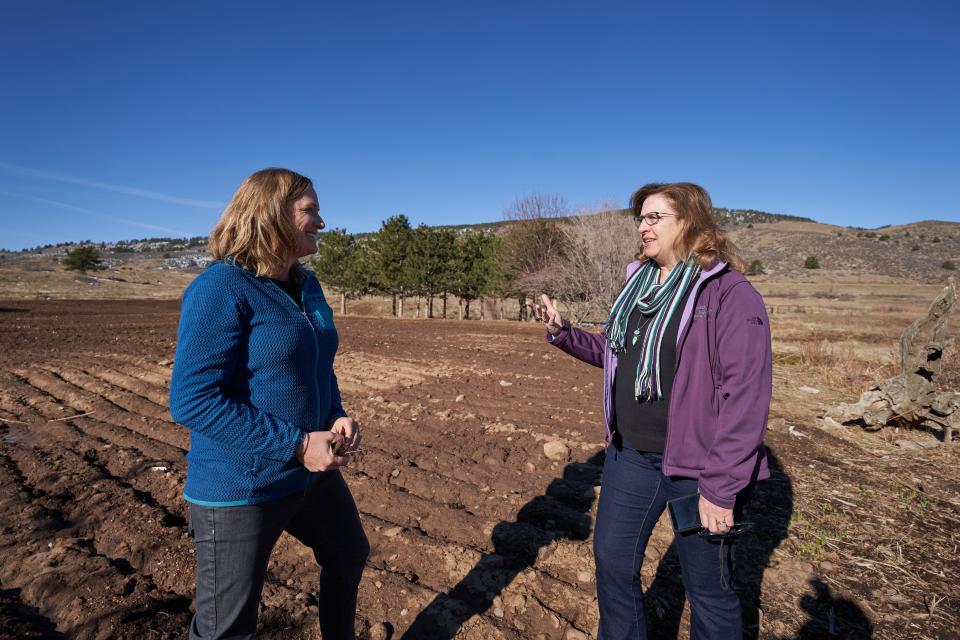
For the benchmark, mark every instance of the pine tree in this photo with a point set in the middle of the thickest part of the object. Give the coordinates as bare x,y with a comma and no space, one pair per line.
475,268
342,262
391,248
83,259
755,268
431,262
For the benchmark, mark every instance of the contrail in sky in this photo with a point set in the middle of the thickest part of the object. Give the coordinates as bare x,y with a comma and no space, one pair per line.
132,191
104,216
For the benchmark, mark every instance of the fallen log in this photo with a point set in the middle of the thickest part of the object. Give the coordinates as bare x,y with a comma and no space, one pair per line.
910,399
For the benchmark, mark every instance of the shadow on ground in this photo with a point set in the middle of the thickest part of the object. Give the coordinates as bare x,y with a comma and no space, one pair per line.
564,508
565,503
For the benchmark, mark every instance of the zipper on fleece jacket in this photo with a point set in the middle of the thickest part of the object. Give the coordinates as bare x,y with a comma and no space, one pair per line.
313,331
683,331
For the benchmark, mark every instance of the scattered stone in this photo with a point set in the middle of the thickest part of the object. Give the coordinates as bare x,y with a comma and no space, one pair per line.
165,363
378,584
584,576
395,473
574,634
498,612
506,383
403,612
556,450
809,390
392,532
830,423
159,468
460,398
777,424
908,444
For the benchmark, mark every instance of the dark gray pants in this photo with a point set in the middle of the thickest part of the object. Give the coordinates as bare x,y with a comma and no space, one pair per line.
233,548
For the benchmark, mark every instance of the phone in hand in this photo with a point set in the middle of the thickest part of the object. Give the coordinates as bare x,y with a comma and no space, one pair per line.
685,513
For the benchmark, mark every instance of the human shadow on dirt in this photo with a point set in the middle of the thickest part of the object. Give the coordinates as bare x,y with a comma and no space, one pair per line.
832,617
562,512
18,620
769,509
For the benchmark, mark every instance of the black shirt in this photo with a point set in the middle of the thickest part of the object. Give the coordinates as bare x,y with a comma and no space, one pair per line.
643,425
292,287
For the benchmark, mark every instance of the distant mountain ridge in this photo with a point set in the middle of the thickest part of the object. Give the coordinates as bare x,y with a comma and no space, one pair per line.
926,251
725,217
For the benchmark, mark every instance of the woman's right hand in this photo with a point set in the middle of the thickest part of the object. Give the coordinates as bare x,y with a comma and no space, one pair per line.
547,314
319,451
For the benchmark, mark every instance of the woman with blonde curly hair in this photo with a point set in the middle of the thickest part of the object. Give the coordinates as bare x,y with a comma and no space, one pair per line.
687,385
253,381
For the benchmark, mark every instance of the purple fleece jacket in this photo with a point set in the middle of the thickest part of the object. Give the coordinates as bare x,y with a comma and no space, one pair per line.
721,391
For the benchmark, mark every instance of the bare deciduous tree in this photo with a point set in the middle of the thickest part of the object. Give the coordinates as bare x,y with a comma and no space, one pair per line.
592,270
534,243
537,206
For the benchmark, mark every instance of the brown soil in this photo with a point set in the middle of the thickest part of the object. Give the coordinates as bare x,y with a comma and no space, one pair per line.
475,533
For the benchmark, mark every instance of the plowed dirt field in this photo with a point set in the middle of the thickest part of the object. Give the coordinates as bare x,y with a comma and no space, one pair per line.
475,531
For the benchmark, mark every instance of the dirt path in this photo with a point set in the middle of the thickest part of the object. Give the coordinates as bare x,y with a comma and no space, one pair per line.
475,532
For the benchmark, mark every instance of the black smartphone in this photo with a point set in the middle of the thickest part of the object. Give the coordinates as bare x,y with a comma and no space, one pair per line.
685,513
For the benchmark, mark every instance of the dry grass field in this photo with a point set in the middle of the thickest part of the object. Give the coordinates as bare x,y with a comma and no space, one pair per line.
476,533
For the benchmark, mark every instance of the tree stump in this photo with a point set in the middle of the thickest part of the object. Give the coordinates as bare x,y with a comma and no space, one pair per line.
910,399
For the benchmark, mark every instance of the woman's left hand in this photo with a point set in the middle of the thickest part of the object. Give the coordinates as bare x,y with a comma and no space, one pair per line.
350,430
713,518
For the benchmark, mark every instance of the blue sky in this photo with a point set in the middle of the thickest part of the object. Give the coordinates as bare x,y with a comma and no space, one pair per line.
127,119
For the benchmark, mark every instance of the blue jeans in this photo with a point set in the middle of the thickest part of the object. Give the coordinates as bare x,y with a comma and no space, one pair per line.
633,496
233,548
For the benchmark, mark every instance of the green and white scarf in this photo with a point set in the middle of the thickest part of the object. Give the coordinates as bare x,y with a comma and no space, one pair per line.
660,301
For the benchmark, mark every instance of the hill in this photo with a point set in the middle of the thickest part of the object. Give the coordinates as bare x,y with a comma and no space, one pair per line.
915,252
161,267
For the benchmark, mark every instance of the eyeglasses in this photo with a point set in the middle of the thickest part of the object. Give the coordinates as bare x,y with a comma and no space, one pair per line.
651,218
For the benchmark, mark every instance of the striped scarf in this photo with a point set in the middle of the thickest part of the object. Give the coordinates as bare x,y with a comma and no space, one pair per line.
652,299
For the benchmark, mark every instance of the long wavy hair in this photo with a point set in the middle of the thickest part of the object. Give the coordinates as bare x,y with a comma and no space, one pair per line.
700,235
256,229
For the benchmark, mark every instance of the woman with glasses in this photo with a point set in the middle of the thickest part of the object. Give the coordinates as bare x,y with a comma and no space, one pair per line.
253,381
687,383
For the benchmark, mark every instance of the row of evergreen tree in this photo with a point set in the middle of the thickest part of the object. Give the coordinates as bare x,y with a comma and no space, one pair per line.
402,261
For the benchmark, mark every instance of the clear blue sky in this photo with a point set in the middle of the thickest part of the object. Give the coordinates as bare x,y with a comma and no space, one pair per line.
130,119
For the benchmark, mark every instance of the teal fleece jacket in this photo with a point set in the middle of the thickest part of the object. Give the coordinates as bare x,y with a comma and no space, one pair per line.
252,374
